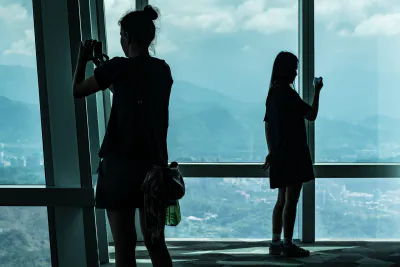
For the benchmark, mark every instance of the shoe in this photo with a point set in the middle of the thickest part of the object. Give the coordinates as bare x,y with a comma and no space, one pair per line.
294,251
275,249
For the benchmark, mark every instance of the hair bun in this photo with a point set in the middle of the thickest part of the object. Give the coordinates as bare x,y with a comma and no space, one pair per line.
150,12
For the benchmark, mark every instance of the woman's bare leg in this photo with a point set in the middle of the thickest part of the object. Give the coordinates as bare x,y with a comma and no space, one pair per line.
122,225
290,209
289,219
158,252
277,221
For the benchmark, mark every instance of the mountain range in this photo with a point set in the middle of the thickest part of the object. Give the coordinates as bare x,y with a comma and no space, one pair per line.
205,125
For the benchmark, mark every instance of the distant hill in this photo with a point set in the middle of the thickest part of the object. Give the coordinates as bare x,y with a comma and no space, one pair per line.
205,124
19,83
19,122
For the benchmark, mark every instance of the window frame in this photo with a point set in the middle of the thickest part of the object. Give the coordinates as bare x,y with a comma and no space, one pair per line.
72,131
326,170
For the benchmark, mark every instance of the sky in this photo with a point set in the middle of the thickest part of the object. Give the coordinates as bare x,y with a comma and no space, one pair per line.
229,46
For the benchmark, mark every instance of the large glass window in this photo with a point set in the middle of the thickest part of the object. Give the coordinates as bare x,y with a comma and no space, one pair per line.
357,208
221,55
114,11
355,51
21,152
24,237
226,208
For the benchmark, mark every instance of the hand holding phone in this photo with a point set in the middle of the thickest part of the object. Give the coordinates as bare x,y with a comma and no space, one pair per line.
98,49
317,80
98,57
318,84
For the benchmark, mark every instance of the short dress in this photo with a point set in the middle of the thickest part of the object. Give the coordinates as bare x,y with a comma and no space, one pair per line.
119,183
291,161
136,136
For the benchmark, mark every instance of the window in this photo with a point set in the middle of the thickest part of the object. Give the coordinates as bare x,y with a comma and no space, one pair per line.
357,208
24,237
114,11
226,208
21,152
221,55
355,44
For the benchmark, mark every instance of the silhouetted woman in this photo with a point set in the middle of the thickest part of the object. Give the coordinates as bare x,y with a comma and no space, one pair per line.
125,152
289,156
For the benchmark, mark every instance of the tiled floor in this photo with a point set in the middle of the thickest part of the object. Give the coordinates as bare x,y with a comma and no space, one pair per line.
212,253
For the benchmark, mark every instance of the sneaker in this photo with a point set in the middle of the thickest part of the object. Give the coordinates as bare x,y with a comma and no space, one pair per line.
294,251
275,249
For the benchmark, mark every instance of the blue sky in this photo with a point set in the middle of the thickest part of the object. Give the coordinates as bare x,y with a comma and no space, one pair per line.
229,46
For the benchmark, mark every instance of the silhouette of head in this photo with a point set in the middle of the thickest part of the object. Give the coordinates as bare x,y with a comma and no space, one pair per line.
138,30
284,71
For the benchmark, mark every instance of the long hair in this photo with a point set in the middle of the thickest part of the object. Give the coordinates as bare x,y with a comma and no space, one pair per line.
283,70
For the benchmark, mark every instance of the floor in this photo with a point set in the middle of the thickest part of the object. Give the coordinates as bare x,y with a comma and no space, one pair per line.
239,253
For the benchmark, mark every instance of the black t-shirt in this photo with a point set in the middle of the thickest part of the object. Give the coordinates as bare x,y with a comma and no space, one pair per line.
128,134
285,112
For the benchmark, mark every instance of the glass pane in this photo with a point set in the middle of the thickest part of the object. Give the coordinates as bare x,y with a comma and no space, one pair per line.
354,50
226,208
24,237
114,11
354,208
221,55
21,151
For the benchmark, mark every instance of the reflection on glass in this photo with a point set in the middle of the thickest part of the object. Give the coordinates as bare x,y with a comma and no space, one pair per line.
24,237
21,152
357,208
354,52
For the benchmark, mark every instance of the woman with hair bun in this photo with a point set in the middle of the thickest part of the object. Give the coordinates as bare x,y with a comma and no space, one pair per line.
141,86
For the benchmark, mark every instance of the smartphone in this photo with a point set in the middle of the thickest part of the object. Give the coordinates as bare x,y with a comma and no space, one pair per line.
98,48
317,80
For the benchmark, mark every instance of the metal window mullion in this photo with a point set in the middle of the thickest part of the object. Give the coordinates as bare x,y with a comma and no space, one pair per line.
79,29
63,165
140,4
97,124
306,52
253,170
102,36
104,231
88,129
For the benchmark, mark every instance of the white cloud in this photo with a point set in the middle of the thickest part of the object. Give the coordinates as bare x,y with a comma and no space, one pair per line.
215,21
273,20
220,16
359,18
164,46
20,33
251,7
379,25
13,13
246,48
25,46
344,32
343,10
114,10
